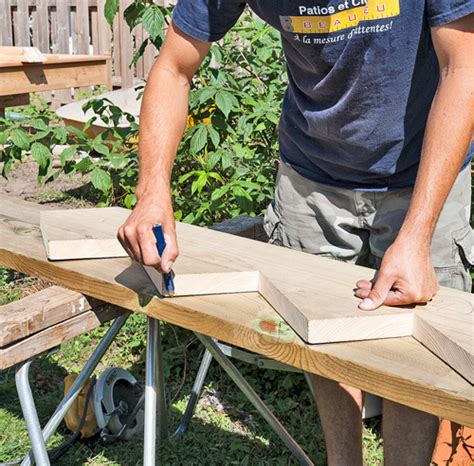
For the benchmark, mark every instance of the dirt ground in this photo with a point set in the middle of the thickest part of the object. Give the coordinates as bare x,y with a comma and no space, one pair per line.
65,191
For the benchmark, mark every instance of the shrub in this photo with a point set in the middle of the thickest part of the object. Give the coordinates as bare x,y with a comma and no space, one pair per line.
227,160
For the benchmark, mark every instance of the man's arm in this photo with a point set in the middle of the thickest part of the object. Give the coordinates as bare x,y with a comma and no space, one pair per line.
162,122
406,275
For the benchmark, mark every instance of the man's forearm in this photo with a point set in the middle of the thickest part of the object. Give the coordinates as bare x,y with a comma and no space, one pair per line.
162,121
447,139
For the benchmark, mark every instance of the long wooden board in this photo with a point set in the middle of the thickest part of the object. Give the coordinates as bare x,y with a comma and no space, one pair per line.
399,369
56,72
314,295
80,233
450,336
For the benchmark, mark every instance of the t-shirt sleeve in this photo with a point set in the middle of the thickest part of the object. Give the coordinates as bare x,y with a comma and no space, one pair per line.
446,11
207,20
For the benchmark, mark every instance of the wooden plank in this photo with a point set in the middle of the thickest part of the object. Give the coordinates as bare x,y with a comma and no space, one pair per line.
38,311
80,234
399,369
21,55
104,37
207,257
450,336
201,284
82,31
61,41
13,55
56,334
6,29
21,23
95,31
138,35
41,32
41,29
73,25
126,47
212,262
57,75
104,33
116,54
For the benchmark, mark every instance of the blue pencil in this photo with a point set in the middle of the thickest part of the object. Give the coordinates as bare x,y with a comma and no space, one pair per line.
161,245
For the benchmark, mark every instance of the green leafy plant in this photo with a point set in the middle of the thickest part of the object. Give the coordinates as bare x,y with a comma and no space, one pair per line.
227,160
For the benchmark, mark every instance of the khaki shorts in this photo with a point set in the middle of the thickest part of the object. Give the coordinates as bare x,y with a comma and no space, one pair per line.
358,227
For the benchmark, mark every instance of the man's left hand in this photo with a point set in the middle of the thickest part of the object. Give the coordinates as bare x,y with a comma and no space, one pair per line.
406,276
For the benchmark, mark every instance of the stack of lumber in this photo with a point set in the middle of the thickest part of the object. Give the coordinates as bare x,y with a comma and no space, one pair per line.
46,319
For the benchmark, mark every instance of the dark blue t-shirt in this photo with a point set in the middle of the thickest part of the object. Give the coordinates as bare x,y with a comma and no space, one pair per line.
362,76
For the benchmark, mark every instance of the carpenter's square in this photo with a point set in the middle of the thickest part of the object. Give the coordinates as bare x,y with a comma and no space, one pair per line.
161,245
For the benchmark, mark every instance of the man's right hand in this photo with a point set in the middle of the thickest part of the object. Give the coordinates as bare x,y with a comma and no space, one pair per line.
137,237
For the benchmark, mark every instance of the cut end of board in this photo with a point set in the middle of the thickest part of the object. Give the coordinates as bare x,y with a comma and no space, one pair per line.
82,233
206,283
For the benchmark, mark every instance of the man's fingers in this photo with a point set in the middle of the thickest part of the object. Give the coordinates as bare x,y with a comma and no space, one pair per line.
170,253
128,241
378,293
362,293
364,284
147,243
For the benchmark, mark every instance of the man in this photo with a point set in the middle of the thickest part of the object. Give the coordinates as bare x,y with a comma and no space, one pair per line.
375,133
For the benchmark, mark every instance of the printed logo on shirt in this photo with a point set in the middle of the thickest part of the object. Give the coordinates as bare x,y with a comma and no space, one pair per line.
347,14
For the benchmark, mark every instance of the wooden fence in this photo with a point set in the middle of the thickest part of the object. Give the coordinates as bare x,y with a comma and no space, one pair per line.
76,27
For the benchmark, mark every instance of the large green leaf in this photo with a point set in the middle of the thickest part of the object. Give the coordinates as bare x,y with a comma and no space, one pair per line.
214,135
152,20
224,101
110,10
41,154
101,180
243,199
100,148
199,139
84,165
67,153
133,13
219,192
38,124
20,138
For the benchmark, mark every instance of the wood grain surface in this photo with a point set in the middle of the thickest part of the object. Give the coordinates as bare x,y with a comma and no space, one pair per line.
400,369
81,233
56,334
450,336
313,294
38,311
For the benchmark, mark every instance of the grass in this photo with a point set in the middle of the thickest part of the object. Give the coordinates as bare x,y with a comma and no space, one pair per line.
226,430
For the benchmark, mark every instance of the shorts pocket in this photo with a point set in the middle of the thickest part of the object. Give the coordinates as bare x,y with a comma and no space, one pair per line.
464,246
272,225
458,275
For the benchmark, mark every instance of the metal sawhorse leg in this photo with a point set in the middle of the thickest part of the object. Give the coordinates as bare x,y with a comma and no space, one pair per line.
154,393
155,397
38,438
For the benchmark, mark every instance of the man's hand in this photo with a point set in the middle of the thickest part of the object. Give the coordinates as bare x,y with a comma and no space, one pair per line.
162,121
406,276
136,234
